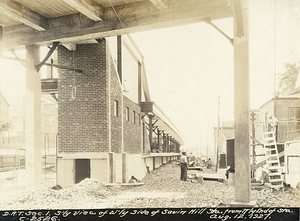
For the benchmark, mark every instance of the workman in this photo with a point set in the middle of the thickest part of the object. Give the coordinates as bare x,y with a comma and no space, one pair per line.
209,164
183,167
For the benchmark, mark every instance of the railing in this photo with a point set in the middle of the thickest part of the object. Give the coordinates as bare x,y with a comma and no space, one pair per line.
11,160
7,141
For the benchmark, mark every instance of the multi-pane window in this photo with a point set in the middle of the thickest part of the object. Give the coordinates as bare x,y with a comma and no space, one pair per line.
116,108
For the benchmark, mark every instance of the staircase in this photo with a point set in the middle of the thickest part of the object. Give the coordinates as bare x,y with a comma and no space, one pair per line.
272,160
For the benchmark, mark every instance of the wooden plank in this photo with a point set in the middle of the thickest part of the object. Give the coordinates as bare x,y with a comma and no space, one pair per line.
194,168
23,14
135,17
86,8
210,176
260,164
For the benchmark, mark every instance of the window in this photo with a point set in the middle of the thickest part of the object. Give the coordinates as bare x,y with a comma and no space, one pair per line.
133,117
116,108
127,113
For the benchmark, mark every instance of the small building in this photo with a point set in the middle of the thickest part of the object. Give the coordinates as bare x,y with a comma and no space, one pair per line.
287,111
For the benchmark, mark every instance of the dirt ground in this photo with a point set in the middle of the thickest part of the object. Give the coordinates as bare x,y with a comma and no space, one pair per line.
162,189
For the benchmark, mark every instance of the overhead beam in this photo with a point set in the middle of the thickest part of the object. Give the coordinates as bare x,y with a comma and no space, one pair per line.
159,4
135,17
50,52
208,21
86,8
23,14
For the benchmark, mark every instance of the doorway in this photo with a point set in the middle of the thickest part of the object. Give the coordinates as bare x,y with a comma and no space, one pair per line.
82,169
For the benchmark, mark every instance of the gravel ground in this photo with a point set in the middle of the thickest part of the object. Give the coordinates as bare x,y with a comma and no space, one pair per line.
162,189
207,194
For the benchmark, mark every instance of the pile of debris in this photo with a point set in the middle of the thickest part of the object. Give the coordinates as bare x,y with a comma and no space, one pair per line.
88,190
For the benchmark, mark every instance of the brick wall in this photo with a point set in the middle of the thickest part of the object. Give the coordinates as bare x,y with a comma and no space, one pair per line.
83,121
116,121
132,131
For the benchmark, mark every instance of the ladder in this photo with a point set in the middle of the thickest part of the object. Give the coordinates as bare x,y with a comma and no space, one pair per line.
272,160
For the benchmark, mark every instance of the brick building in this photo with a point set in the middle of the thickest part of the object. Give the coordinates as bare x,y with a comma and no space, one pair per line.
102,125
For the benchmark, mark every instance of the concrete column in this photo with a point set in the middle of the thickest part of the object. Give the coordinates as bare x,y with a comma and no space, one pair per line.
33,139
124,168
164,142
168,144
158,138
112,168
241,105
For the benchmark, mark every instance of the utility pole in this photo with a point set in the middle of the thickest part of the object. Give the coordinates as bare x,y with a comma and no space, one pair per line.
218,139
201,145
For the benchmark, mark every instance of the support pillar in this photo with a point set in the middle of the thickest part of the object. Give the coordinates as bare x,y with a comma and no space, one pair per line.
112,167
168,144
158,141
241,105
33,137
164,142
150,131
124,168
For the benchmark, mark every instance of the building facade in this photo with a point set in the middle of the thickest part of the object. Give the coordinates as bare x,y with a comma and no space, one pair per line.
102,130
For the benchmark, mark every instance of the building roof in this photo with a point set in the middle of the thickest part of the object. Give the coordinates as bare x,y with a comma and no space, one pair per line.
41,22
285,97
165,124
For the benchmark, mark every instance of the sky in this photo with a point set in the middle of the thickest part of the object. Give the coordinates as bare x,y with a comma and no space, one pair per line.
189,67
